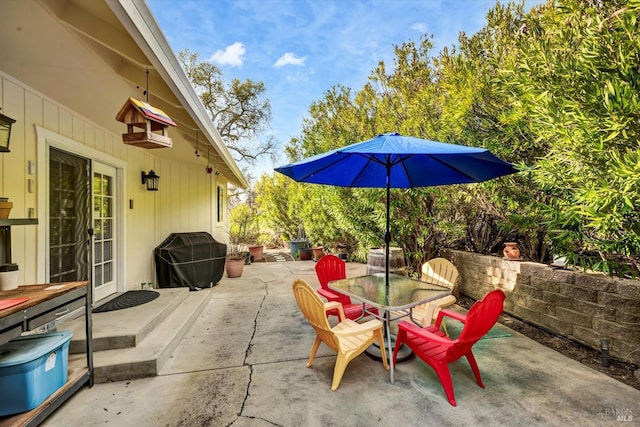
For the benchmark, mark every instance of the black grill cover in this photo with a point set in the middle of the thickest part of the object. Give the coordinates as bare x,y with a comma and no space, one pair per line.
194,260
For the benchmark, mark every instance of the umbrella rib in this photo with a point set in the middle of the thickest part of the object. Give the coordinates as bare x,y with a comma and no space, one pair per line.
460,171
315,171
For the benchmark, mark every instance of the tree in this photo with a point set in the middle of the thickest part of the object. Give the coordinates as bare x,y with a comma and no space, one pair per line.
577,81
239,110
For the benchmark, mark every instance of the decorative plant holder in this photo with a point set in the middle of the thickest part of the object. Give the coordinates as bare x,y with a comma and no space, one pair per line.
257,252
5,207
9,275
305,254
318,253
296,245
234,267
511,251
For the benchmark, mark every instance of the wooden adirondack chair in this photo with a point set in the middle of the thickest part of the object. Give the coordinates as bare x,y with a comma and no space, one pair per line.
439,271
348,338
329,268
438,350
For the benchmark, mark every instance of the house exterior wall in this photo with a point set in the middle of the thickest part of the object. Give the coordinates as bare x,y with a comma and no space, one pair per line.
582,307
186,200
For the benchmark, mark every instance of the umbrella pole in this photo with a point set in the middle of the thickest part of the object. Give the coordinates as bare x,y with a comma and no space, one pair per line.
387,234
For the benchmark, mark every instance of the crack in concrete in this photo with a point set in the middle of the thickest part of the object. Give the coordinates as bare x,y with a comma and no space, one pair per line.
247,353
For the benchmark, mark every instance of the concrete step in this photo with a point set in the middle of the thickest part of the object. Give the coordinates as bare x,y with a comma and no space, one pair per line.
127,327
154,329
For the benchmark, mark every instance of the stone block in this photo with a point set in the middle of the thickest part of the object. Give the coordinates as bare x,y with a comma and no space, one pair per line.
581,293
628,319
587,336
629,352
556,325
547,285
558,299
508,305
529,268
540,306
627,288
517,298
540,276
615,330
575,317
594,310
597,282
525,313
524,280
563,276
619,302
526,290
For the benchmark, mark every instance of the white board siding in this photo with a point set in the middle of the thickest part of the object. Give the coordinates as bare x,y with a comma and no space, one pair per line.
186,200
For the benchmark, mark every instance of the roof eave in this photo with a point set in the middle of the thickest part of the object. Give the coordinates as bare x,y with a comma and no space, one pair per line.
137,18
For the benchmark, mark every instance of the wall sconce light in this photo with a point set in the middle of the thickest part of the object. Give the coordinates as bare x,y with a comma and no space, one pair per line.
5,132
151,179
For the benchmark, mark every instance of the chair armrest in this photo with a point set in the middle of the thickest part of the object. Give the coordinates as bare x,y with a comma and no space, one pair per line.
423,333
359,328
331,305
452,314
329,295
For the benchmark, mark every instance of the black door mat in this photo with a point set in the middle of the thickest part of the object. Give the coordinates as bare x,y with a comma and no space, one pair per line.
127,300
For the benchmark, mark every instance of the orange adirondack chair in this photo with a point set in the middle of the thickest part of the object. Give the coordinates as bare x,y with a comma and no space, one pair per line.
438,350
329,268
348,338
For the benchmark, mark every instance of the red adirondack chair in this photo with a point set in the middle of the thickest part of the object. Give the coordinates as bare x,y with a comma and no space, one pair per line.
438,350
329,268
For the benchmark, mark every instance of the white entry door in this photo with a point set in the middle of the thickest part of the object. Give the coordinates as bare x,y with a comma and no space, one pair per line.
105,244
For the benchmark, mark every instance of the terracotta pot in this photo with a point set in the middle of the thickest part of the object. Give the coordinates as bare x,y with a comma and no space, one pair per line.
5,208
305,254
511,250
318,253
256,252
234,267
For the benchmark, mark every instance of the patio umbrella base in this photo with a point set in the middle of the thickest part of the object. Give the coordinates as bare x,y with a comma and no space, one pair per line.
404,353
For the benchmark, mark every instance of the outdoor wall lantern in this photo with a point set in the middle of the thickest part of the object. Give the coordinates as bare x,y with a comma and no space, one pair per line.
5,132
151,179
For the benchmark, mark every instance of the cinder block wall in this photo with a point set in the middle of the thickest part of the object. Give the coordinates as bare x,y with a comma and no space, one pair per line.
583,307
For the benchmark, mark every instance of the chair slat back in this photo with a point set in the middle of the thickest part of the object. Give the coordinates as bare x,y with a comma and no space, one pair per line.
329,268
482,316
312,307
440,271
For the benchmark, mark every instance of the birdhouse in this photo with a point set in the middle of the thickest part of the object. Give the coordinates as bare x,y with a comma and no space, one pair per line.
147,126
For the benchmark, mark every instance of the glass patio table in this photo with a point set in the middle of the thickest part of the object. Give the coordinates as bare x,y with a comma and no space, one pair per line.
402,294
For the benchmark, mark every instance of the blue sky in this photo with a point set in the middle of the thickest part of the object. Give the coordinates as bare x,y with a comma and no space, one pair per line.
300,48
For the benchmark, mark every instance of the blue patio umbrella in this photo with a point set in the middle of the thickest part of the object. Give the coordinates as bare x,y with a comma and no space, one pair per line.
392,160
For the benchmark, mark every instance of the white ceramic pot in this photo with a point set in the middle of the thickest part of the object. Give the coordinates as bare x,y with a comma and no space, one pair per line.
9,280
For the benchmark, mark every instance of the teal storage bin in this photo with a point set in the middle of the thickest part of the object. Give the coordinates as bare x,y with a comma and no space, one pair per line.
32,368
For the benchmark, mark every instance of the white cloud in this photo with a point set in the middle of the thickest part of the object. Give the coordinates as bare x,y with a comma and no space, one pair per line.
232,55
289,59
420,27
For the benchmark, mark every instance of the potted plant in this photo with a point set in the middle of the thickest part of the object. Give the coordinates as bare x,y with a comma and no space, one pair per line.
305,253
5,207
298,242
234,263
318,252
256,252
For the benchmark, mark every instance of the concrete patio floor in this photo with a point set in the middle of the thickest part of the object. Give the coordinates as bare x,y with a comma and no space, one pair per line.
243,364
